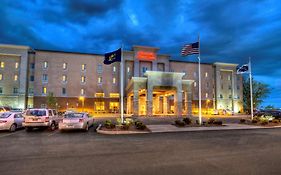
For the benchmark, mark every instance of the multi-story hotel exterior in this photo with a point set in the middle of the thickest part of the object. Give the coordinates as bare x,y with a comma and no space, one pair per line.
154,83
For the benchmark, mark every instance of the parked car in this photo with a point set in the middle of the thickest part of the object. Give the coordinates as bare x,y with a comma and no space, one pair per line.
11,121
41,118
76,120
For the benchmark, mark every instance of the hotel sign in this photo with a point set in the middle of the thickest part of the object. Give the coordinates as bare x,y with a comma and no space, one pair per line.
142,55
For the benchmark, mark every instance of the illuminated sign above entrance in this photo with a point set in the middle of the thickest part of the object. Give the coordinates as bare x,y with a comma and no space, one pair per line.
142,55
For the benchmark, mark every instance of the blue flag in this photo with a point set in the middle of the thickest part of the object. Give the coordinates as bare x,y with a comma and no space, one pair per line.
112,57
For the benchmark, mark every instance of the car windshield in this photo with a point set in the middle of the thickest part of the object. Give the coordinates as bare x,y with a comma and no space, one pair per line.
5,115
36,112
73,115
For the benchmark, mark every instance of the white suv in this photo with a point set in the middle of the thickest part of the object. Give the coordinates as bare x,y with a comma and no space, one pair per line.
38,118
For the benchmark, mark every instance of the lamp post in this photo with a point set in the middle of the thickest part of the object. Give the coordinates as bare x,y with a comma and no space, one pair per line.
82,98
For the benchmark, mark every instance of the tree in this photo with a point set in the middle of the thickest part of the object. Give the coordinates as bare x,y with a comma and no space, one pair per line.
260,91
51,100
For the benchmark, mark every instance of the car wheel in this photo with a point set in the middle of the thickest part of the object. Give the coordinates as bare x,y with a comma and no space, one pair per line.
53,127
13,128
87,127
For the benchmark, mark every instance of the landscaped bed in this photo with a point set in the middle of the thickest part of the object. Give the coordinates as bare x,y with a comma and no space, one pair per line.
129,126
188,122
267,121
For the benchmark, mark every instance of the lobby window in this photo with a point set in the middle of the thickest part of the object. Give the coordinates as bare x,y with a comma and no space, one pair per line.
44,90
15,77
16,90
31,78
17,65
195,84
2,64
1,90
64,78
83,79
114,80
45,78
100,80
99,94
99,106
1,76
114,106
63,91
206,74
206,95
45,65
64,66
114,95
82,92
99,68
83,67
114,69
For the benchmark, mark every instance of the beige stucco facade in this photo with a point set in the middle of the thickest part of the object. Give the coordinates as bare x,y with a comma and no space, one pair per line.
154,84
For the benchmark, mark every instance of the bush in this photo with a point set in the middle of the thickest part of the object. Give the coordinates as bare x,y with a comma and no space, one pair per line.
264,121
109,125
129,121
125,126
256,120
187,120
139,125
211,121
242,120
118,121
179,123
275,121
217,122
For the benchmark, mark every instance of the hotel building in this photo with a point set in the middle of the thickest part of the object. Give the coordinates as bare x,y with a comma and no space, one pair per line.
155,84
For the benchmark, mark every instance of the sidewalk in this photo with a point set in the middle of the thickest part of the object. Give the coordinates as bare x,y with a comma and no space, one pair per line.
172,128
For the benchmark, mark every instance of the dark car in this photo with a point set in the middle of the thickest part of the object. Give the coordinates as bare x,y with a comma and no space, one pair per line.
273,113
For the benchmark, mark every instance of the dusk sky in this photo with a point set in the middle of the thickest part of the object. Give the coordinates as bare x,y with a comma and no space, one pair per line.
230,30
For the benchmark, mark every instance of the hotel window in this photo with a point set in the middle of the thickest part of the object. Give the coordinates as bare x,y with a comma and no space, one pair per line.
114,69
99,68
30,91
83,79
2,64
128,69
207,95
64,66
221,96
15,77
32,65
230,96
63,90
114,106
16,65
100,80
207,84
64,78
1,76
83,67
114,80
1,90
229,77
229,87
15,90
114,95
99,106
45,64
99,94
31,78
195,84
144,69
44,90
82,92
45,78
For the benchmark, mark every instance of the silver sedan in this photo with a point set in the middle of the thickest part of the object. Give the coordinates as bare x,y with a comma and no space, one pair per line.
11,121
72,121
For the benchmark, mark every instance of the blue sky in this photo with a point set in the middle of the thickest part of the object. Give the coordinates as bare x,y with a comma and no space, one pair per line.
230,30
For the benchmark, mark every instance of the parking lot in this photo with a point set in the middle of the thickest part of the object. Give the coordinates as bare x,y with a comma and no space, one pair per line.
217,152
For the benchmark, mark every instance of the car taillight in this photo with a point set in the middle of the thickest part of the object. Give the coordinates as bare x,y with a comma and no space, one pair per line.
46,119
81,120
3,121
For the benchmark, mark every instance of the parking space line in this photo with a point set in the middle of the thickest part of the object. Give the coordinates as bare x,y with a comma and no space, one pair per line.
54,132
5,135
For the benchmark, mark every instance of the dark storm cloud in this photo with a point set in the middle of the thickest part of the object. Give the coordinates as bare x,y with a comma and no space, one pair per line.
230,31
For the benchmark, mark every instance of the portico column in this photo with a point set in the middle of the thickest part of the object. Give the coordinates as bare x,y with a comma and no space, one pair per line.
178,102
136,102
189,101
185,102
149,96
165,104
128,104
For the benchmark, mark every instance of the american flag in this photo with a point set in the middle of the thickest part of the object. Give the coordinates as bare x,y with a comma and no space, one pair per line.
190,49
243,69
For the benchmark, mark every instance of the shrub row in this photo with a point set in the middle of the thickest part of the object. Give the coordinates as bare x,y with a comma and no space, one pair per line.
126,125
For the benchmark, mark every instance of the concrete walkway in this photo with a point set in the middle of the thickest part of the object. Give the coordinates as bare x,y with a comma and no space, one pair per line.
172,128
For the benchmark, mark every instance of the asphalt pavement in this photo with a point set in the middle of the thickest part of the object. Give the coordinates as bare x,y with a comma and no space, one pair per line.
208,152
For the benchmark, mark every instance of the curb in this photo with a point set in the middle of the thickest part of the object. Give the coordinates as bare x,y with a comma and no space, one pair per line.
119,132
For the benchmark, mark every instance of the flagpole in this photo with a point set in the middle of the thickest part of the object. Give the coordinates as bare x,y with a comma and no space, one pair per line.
199,86
251,88
121,86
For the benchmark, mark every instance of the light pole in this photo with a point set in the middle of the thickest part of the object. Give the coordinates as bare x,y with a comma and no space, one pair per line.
82,98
